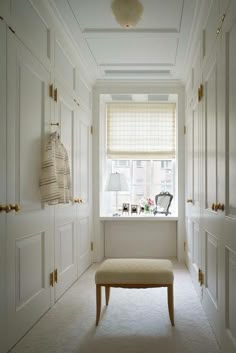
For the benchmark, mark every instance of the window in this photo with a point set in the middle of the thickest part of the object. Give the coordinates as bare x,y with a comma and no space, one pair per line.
140,143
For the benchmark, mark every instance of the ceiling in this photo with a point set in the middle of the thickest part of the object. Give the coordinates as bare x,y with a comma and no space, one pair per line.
157,48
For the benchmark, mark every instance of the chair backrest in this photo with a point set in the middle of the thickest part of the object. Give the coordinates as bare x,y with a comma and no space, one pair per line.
163,202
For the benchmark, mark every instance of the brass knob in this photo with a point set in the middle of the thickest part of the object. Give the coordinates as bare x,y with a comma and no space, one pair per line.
6,208
15,207
213,207
216,207
221,206
189,201
81,201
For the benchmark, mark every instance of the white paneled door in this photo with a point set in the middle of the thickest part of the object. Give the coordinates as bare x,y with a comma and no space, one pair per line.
212,215
228,260
65,217
28,236
3,194
82,189
194,239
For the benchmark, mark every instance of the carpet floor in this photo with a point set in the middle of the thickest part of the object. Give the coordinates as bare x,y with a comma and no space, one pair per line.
136,321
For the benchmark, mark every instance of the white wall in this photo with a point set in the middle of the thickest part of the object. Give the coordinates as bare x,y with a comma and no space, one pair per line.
134,87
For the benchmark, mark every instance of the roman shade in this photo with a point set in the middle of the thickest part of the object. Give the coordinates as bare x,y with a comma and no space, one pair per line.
141,130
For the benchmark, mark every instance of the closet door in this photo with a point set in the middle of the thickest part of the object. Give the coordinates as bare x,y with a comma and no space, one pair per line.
212,216
3,194
228,113
193,194
65,217
84,207
28,235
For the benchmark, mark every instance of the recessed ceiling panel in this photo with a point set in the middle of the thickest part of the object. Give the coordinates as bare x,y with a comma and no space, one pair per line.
139,51
157,47
157,14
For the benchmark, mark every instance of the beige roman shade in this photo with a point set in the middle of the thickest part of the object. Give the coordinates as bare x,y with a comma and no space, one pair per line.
141,130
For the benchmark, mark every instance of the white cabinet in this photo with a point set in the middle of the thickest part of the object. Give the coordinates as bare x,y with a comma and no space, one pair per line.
39,242
215,174
3,193
228,163
210,30
32,25
28,231
83,208
65,66
65,217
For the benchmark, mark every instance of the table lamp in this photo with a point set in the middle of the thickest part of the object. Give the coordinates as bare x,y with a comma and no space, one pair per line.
116,182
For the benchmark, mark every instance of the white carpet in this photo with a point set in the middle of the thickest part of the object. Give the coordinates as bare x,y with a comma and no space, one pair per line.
136,321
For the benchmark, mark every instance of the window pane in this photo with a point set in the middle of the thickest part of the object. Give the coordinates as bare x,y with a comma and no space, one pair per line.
146,179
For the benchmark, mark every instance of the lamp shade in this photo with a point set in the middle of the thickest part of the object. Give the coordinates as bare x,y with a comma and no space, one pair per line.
117,182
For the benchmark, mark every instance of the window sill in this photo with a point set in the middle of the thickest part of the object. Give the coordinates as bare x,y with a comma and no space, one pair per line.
147,217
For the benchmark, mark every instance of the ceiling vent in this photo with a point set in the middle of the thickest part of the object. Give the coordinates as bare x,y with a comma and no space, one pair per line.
138,72
158,97
121,97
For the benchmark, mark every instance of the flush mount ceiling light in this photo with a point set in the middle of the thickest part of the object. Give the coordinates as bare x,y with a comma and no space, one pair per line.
127,12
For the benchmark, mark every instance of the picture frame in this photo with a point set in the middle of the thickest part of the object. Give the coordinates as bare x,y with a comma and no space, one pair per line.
134,209
125,208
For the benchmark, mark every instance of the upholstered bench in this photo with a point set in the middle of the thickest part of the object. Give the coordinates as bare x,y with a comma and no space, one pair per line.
134,273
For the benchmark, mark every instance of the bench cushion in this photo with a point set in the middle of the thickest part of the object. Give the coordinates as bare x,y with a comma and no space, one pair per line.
135,271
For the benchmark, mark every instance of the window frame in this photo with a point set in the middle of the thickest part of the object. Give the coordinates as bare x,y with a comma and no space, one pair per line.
104,169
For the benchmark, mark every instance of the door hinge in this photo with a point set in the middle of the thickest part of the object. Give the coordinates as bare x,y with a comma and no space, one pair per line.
185,245
51,279
51,90
200,277
55,275
185,130
91,129
91,246
55,94
201,91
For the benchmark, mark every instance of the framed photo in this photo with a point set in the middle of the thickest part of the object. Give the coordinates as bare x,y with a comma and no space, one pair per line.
125,208
141,209
134,209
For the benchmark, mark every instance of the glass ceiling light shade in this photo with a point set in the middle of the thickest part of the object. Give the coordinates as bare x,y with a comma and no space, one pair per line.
127,12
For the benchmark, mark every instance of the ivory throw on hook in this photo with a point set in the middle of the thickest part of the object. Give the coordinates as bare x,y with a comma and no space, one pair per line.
55,180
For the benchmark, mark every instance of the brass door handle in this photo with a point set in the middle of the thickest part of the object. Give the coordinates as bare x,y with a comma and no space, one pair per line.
189,201
6,208
15,207
219,206
76,201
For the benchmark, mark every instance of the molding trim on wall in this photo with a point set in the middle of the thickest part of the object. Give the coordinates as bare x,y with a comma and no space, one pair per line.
89,68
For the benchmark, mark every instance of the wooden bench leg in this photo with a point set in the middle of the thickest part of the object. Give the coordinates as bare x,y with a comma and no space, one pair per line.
98,299
107,292
171,303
